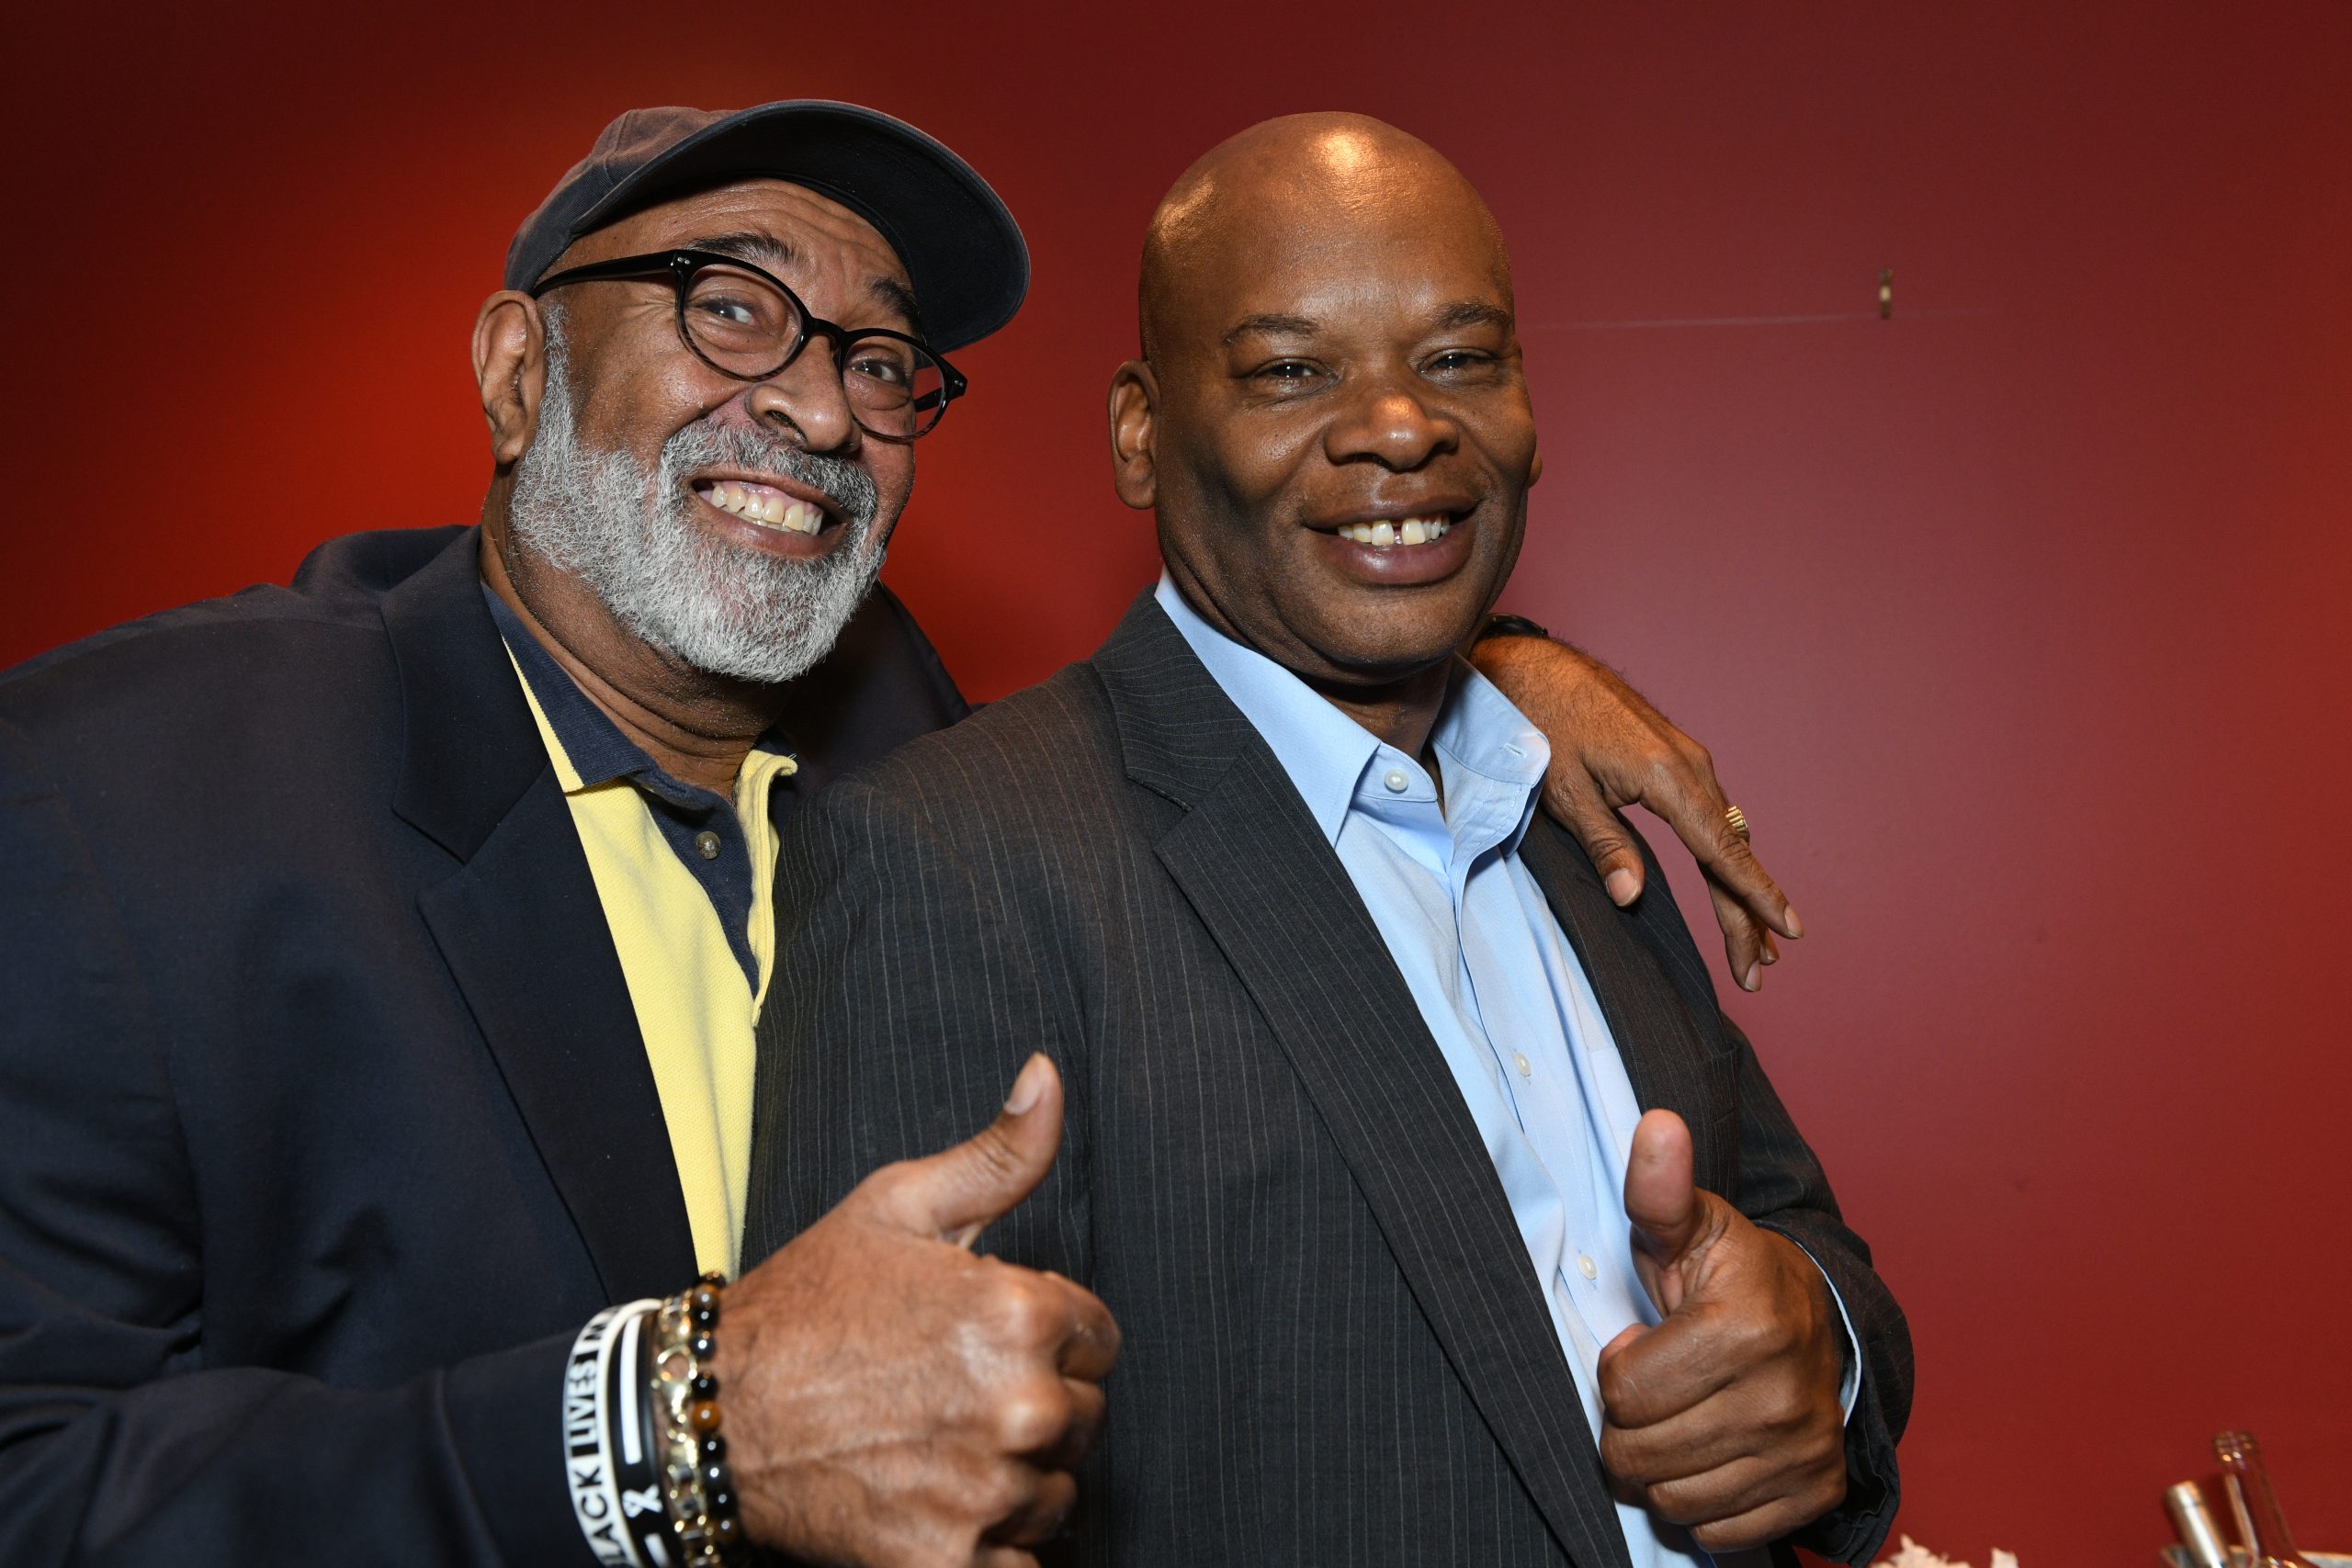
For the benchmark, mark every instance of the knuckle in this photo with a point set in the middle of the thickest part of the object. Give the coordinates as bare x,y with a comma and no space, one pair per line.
886,1187
1018,1309
1006,1491
1663,775
1030,1420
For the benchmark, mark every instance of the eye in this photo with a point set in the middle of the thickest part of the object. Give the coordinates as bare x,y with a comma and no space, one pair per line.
1290,375
876,365
1462,361
734,310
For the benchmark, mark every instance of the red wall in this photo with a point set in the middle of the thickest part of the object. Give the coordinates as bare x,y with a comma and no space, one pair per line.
2019,622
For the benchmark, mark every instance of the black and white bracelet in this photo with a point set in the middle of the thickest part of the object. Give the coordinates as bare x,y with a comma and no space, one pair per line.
604,1465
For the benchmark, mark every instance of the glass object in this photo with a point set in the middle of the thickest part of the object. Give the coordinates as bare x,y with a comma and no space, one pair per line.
2254,1504
742,322
2194,1523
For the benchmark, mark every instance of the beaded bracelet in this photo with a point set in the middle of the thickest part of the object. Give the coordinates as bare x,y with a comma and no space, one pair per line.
697,1491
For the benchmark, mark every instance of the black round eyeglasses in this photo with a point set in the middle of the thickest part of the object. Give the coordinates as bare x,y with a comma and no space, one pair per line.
743,322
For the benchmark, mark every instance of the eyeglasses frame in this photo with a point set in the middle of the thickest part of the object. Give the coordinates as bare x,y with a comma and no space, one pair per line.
681,265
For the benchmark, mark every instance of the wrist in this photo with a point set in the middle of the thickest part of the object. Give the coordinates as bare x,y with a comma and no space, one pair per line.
1503,625
644,1459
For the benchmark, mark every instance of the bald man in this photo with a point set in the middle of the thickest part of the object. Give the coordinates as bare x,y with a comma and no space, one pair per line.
1446,1216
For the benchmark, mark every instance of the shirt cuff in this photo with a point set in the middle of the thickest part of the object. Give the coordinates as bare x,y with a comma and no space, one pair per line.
1850,1387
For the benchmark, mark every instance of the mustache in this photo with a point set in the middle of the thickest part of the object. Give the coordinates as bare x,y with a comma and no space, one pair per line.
849,487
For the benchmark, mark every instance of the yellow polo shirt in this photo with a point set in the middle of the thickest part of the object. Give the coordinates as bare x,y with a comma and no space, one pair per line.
685,878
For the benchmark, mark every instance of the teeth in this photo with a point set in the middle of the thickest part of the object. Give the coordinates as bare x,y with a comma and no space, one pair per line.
1386,535
769,508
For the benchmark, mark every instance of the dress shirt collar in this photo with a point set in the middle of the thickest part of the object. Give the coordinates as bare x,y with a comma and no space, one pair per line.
1327,754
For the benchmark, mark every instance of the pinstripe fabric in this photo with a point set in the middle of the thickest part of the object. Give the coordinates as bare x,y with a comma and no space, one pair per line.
1336,1352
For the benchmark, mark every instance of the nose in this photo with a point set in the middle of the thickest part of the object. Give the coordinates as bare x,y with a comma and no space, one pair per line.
806,399
1388,423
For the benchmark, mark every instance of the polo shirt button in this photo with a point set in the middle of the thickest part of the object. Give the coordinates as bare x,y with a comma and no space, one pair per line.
1396,781
707,845
1587,1268
1526,1068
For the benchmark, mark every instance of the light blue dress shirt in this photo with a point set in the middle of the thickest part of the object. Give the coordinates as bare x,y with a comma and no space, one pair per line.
1494,979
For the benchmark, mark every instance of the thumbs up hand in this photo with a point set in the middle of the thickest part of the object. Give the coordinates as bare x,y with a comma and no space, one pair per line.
1724,1417
894,1401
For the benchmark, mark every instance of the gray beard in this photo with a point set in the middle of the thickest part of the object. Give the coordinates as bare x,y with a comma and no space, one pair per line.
629,533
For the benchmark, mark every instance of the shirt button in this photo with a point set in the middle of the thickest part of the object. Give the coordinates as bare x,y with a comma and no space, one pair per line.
1526,1067
707,845
1396,781
1587,1268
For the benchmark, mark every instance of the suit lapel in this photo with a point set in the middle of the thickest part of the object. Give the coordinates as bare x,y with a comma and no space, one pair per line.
524,934
1281,907
1672,1065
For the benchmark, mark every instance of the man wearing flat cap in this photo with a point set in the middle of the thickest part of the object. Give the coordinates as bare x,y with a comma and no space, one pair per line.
381,953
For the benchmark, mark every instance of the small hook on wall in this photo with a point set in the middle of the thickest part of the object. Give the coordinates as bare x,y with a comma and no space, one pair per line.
1886,294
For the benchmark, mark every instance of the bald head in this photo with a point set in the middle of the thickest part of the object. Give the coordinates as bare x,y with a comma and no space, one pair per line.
1329,419
1332,174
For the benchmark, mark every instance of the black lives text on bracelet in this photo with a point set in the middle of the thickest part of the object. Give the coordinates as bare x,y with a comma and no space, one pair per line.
605,1453
1511,626
643,1457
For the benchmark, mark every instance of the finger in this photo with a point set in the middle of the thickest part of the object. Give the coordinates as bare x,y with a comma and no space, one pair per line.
1722,1493
1082,1425
1770,1521
1722,1429
1090,1348
1744,937
1681,790
958,1193
1662,1371
1051,1495
1661,1198
1729,861
1576,803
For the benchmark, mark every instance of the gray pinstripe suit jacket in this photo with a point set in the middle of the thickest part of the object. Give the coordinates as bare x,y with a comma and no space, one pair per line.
1336,1352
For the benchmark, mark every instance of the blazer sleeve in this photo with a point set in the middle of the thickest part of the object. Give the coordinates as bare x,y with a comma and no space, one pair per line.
910,987
120,1439
1782,1189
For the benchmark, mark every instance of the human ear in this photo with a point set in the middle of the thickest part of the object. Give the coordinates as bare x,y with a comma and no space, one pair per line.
1535,468
509,365
1134,462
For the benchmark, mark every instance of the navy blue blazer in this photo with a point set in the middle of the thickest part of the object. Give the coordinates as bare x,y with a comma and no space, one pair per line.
327,1118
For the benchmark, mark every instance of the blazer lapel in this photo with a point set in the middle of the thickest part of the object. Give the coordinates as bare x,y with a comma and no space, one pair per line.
1281,907
524,933
1672,1066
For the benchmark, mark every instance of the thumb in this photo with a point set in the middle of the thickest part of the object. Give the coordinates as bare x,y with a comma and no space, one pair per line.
1661,1199
1576,805
959,1192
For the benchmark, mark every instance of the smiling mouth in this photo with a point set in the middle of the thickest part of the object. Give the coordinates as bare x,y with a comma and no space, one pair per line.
760,505
1425,530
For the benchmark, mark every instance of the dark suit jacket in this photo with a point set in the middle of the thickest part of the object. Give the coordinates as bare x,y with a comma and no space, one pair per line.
327,1118
1336,1351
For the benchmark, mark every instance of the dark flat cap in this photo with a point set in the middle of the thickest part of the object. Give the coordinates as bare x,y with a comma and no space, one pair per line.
961,249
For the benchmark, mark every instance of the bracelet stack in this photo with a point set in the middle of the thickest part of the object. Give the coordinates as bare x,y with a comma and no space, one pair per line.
698,1492
643,1455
